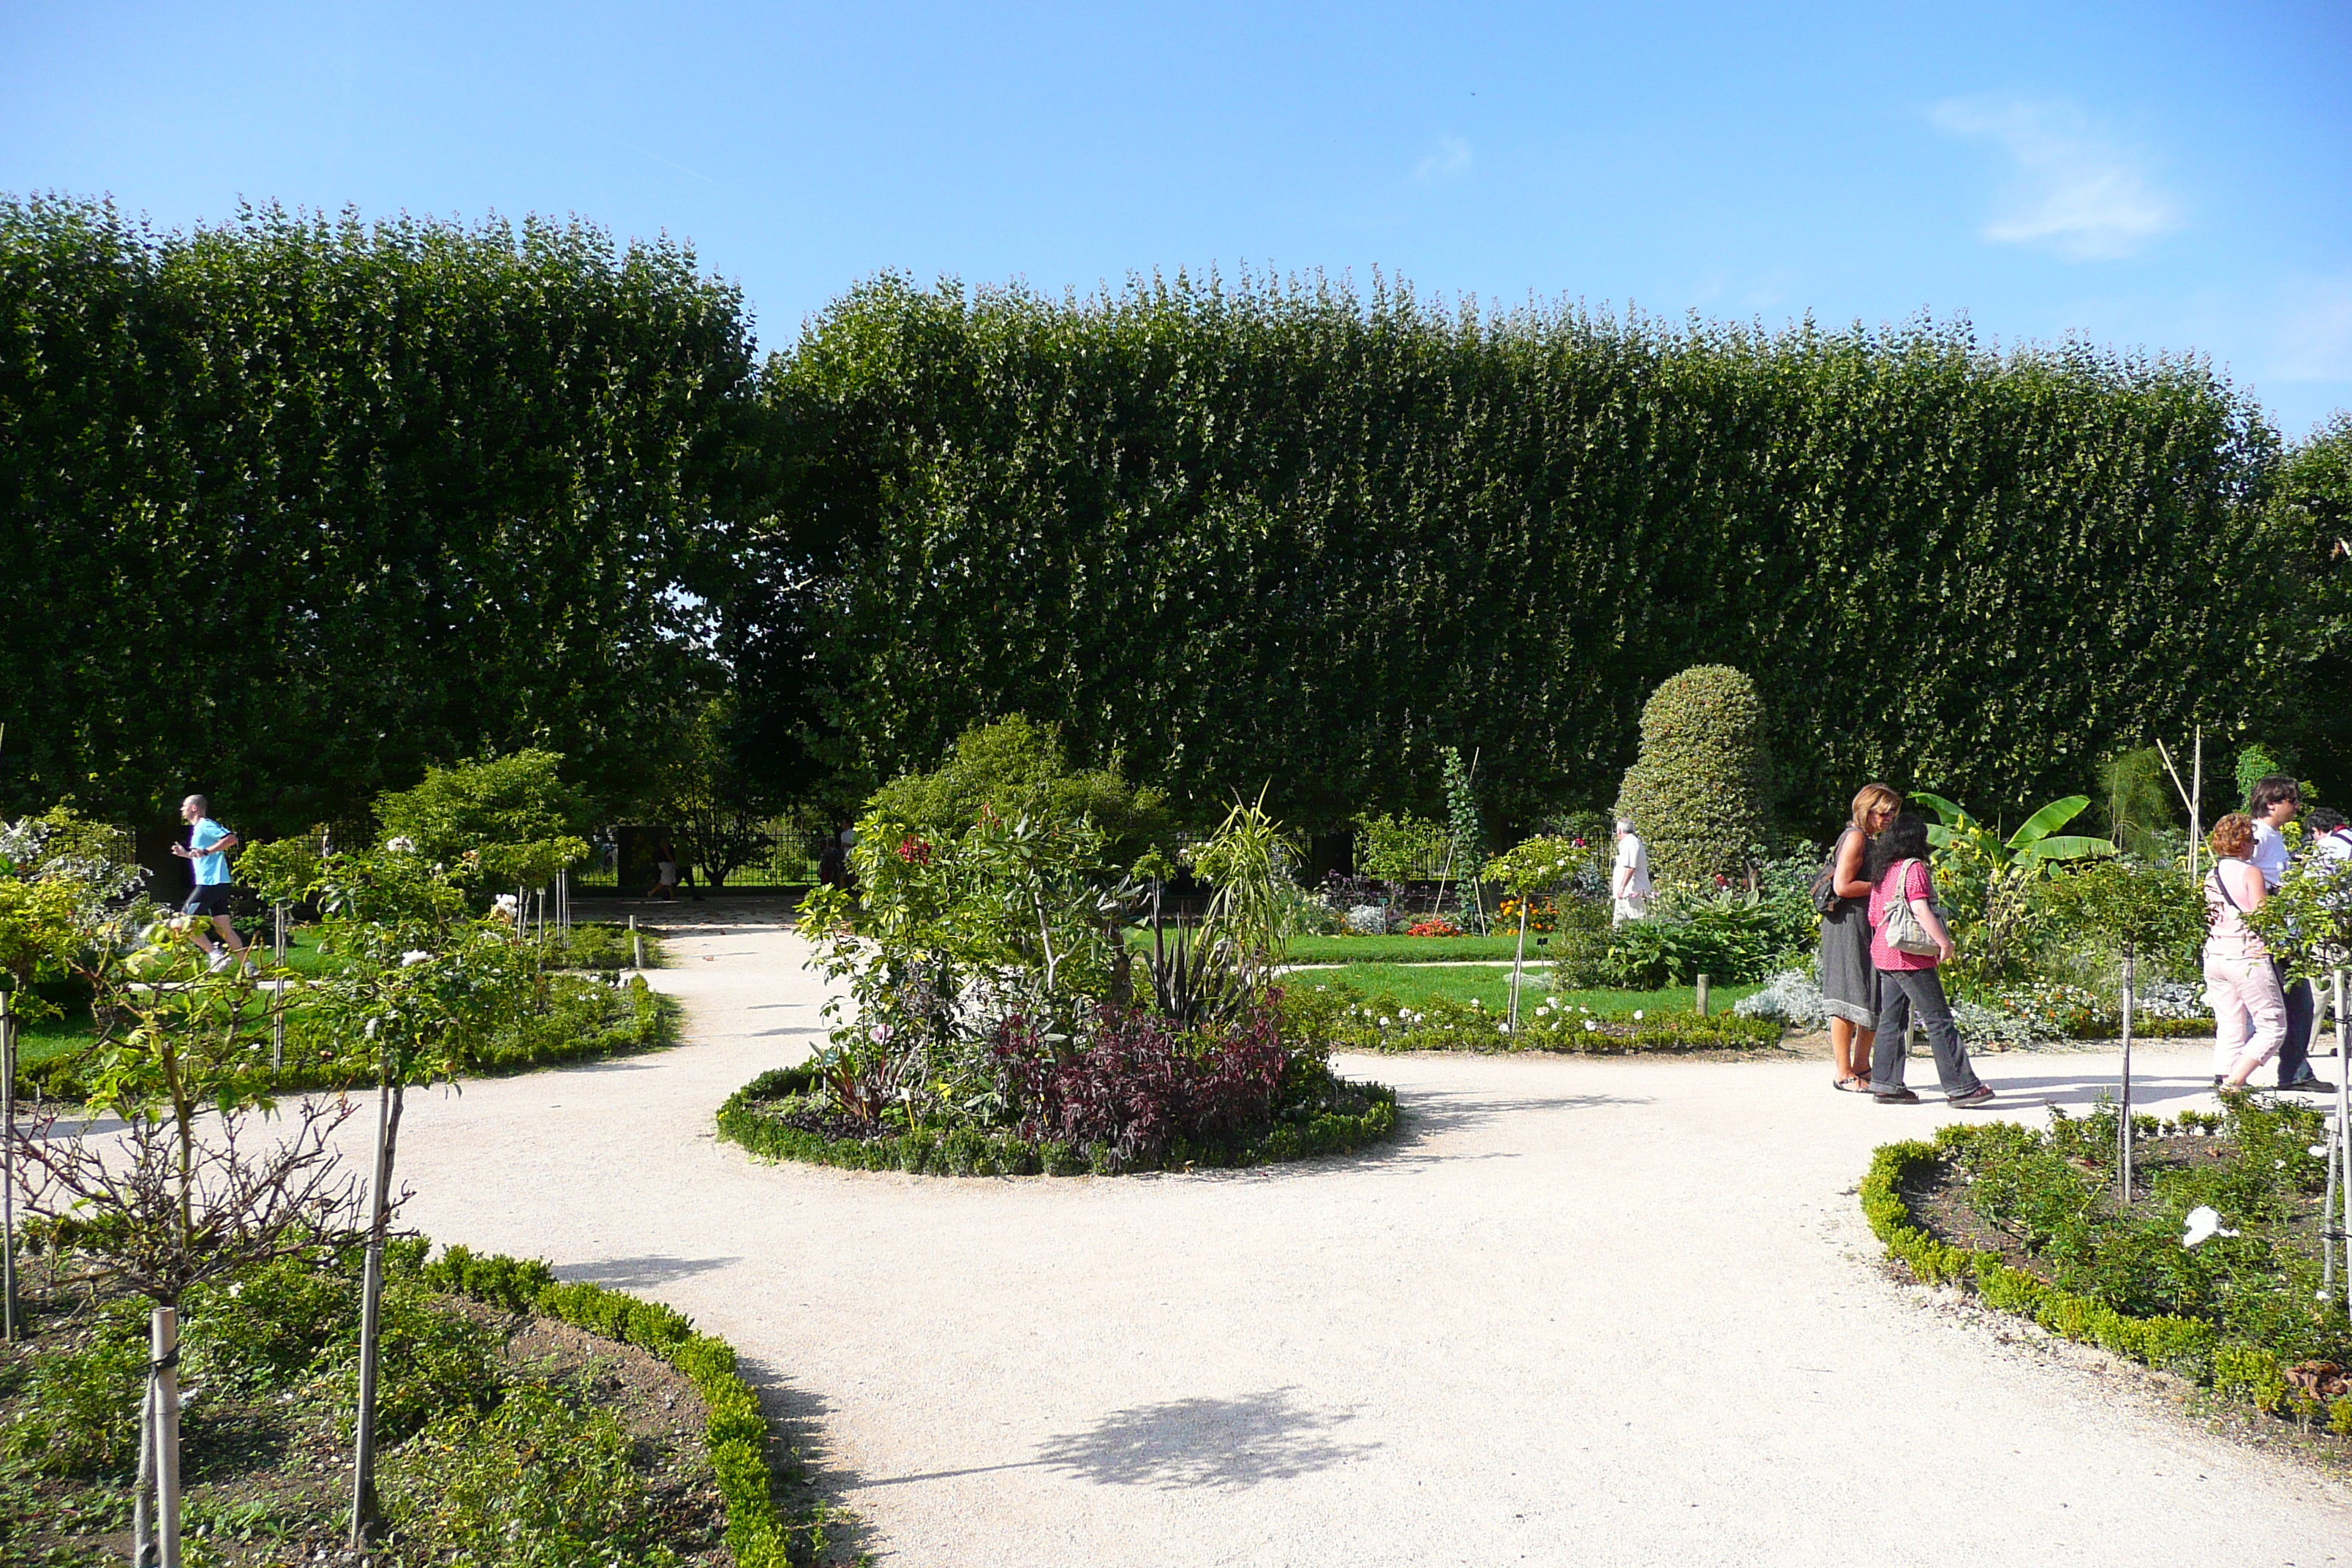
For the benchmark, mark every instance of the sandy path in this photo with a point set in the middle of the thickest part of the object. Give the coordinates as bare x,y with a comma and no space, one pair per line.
1584,1311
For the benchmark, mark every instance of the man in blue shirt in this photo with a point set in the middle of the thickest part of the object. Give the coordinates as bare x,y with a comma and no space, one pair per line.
208,848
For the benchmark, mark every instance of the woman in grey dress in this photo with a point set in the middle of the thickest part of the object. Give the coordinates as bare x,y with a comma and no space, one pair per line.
1849,981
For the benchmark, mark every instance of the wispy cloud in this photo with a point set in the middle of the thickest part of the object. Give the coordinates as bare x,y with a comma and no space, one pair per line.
2075,190
1450,160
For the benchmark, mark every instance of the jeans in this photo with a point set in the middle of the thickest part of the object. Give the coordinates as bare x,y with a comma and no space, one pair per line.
1901,992
2294,1057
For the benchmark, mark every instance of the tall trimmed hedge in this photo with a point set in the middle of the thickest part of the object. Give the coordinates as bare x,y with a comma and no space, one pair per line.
1286,534
1696,793
292,506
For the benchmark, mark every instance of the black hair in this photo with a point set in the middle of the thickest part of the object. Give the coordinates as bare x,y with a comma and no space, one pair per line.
2322,819
1905,839
2270,789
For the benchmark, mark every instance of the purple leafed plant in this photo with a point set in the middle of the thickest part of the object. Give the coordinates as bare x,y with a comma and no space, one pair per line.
1136,1085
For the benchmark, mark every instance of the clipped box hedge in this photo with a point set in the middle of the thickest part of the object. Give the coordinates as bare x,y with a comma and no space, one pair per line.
2251,1374
747,1119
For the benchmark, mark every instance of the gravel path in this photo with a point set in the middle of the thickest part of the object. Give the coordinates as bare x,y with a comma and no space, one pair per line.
1582,1312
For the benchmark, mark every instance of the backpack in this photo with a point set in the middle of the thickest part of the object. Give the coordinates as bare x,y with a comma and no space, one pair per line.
1826,898
1899,926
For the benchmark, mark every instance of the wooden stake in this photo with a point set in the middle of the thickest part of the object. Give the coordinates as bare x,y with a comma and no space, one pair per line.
2123,1119
1701,999
163,1331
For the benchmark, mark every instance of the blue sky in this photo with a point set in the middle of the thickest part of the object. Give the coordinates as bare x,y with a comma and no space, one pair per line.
2173,177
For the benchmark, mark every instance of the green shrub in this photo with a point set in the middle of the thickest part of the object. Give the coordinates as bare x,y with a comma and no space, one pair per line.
539,1483
1696,793
266,1327
77,1411
1017,768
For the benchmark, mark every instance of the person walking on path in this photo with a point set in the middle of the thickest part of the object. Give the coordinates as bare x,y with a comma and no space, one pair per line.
2275,800
1848,979
208,851
1900,891
2241,984
1629,882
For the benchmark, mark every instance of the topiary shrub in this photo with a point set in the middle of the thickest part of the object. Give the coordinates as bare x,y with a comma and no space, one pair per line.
1696,793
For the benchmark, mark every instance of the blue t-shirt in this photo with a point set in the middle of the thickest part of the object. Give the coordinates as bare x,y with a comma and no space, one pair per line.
212,870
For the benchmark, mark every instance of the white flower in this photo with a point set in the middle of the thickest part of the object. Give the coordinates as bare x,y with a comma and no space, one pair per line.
401,845
415,956
1386,1020
1590,1026
2203,1223
1637,1014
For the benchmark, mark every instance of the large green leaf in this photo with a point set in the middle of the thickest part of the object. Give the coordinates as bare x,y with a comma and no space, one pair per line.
1954,815
2048,820
2066,846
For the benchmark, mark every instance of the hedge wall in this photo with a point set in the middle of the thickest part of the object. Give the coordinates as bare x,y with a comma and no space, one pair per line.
1282,533
292,506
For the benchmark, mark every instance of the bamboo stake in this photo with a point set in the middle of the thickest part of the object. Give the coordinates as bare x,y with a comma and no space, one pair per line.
370,1308
637,939
165,1337
2123,1119
1517,960
2197,810
143,1506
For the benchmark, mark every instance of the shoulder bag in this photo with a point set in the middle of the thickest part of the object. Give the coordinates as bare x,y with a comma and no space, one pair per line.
1900,926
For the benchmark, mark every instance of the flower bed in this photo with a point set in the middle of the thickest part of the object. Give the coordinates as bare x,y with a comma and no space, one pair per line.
2027,1220
777,1116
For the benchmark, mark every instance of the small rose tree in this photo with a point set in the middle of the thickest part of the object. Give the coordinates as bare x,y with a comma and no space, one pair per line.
1529,871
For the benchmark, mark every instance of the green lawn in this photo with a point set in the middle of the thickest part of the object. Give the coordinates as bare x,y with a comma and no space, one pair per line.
1383,948
1415,985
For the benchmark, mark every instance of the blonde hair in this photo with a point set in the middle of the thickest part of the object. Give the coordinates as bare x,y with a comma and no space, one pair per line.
1869,798
2232,837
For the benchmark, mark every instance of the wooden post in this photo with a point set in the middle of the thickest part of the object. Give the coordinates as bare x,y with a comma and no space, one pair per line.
8,1323
637,941
1701,998
165,1338
370,1308
143,1500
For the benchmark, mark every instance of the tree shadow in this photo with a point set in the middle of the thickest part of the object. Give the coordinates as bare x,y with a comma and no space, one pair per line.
641,1273
1214,1445
2149,1089
804,1472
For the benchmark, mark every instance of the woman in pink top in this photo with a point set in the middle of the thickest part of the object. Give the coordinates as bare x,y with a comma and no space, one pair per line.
1896,867
2240,983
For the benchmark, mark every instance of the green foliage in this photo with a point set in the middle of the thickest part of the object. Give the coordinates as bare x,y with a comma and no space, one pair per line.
1465,828
2233,1311
2307,920
77,1411
2136,799
1336,1119
1239,527
1253,912
1398,848
1696,793
2139,907
1542,864
1341,1018
1016,768
377,495
517,799
718,807
1732,936
2255,762
1986,883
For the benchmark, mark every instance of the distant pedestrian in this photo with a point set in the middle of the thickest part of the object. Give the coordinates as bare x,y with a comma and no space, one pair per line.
1902,922
2242,983
208,851
2275,801
2330,841
666,871
1629,881
1848,979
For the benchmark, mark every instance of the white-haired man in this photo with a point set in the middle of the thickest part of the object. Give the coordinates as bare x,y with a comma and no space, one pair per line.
1629,882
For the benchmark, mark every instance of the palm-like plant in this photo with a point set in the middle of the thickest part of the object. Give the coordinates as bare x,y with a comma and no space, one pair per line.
1986,879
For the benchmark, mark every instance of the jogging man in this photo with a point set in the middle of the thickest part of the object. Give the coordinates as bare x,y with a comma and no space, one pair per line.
2275,801
208,848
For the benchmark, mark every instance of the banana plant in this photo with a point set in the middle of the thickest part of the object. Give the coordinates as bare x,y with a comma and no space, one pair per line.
1985,879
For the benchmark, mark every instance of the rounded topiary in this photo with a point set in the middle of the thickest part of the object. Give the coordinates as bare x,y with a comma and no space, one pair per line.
1695,794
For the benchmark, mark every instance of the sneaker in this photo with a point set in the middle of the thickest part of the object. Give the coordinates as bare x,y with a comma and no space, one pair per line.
2307,1086
218,962
1894,1096
1977,1096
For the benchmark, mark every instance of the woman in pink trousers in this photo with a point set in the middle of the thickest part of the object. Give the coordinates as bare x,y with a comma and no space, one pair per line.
2249,1013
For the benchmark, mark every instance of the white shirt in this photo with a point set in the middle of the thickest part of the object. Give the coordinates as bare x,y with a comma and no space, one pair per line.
1630,882
2270,855
2334,846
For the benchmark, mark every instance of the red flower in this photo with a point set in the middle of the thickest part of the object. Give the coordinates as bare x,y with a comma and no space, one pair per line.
914,851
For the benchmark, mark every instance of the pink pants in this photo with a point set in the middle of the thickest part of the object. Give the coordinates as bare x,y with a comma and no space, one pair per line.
2249,1013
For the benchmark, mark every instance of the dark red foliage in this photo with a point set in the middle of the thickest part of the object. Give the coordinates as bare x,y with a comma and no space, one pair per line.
916,851
1138,1085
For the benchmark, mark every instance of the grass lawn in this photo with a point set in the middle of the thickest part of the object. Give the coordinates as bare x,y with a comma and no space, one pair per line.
1415,985
1382,949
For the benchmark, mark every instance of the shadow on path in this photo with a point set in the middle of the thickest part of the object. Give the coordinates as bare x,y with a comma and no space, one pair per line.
1218,1445
643,1273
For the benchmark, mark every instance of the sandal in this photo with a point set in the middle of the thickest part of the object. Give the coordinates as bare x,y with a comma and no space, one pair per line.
1854,1084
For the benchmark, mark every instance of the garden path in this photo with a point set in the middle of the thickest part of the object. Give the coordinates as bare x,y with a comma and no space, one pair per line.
1584,1311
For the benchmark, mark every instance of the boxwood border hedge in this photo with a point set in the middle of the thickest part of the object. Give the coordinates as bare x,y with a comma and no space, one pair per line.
970,1152
758,1531
2238,1372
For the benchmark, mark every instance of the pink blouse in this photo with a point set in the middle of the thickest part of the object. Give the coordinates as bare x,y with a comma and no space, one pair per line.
1916,885
2228,924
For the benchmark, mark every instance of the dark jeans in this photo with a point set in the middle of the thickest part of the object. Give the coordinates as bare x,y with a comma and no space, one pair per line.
1901,992
2294,1057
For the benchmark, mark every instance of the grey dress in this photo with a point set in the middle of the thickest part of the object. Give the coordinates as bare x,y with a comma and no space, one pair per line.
1848,979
